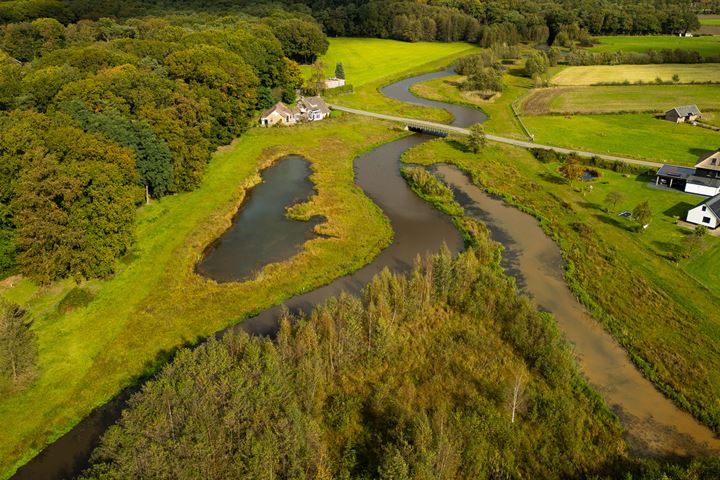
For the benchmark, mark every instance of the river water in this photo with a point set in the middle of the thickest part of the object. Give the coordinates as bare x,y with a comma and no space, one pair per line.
261,232
654,425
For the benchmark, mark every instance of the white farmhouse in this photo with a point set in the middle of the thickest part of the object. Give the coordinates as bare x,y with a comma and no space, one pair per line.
313,108
706,213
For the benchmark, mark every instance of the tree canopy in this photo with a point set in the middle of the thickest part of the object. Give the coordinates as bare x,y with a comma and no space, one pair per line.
93,110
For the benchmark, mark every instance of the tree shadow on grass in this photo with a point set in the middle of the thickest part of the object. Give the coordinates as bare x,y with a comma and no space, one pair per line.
699,152
590,206
616,222
668,250
678,210
550,178
459,146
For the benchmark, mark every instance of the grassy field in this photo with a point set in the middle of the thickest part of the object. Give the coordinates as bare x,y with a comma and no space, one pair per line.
369,59
501,119
703,45
633,135
614,99
156,302
371,64
658,312
709,19
599,74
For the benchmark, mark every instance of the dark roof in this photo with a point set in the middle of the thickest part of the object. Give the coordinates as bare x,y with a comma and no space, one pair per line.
673,171
713,204
704,181
686,110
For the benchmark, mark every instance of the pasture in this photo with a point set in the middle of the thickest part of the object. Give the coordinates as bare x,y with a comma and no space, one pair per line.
369,59
709,45
616,99
501,120
604,74
372,63
156,302
709,19
633,135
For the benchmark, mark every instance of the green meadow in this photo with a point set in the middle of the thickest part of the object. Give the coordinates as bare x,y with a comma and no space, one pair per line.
372,63
501,119
614,99
633,135
705,45
655,306
156,302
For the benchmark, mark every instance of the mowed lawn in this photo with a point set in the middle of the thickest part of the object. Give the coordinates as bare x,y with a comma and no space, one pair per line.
600,74
368,59
632,135
615,99
156,302
372,63
706,45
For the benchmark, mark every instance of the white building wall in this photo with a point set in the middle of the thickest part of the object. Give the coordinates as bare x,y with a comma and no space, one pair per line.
697,215
701,190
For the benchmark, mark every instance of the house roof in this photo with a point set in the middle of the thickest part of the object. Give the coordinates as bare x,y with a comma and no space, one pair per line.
704,181
280,108
710,161
686,110
713,203
315,103
674,171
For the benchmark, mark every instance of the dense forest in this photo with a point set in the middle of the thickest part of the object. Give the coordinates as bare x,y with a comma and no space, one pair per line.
98,116
444,374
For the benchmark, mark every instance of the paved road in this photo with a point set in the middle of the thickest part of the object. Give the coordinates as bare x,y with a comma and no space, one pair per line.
494,138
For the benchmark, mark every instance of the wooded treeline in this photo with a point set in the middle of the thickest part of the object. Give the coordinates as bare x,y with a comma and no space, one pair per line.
502,20
445,373
97,115
418,379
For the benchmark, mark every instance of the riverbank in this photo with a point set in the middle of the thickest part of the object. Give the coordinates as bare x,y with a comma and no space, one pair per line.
156,302
654,310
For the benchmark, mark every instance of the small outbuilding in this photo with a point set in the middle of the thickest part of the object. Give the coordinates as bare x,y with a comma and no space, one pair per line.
686,113
706,213
334,83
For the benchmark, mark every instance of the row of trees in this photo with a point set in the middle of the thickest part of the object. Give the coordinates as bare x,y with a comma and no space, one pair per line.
445,373
500,21
97,116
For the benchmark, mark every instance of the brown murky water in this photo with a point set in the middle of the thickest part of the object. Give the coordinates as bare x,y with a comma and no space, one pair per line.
654,425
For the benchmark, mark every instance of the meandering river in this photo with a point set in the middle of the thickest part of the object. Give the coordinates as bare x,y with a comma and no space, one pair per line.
655,426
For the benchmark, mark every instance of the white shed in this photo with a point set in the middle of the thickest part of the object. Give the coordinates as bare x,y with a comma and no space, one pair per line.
706,213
